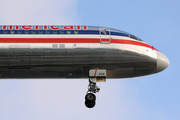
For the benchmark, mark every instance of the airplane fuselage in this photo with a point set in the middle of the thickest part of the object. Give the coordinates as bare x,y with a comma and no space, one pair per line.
71,51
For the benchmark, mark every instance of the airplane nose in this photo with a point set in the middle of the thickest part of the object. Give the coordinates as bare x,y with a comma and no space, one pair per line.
162,62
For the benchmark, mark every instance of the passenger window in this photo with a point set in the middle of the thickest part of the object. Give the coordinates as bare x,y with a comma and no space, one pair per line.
75,32
54,32
33,32
68,32
12,31
40,32
5,32
19,31
62,32
47,32
26,32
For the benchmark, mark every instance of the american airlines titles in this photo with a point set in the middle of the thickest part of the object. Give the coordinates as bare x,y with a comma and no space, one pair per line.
44,27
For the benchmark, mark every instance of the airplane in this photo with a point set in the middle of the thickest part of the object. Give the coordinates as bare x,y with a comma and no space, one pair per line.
76,51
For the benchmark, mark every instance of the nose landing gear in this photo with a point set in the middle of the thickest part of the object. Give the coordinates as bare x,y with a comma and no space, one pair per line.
94,76
90,98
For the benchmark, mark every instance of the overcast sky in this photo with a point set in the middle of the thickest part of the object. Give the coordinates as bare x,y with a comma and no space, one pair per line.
154,97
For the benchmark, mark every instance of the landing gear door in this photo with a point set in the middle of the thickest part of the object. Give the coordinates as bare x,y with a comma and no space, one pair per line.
105,35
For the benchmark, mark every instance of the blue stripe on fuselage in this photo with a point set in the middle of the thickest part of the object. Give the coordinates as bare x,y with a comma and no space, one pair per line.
91,32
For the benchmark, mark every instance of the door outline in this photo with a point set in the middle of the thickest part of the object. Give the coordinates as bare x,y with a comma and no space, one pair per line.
105,31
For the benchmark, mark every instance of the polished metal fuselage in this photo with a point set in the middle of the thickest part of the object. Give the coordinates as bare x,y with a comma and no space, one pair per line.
74,60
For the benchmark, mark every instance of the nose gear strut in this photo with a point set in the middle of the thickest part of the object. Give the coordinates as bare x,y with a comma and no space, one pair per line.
92,88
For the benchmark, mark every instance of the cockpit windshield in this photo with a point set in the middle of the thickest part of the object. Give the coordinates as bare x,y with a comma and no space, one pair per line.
134,37
140,39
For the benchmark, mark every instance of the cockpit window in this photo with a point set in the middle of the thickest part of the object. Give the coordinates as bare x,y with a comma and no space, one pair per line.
133,37
140,39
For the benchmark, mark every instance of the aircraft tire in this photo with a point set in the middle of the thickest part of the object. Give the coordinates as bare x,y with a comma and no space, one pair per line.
90,104
90,97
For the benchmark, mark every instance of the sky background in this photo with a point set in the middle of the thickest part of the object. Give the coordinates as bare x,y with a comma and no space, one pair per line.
154,97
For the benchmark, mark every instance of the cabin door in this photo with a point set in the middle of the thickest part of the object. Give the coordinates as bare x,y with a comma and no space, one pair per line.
105,35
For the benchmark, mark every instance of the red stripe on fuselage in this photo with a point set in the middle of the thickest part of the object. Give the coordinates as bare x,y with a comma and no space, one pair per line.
120,41
72,40
95,73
